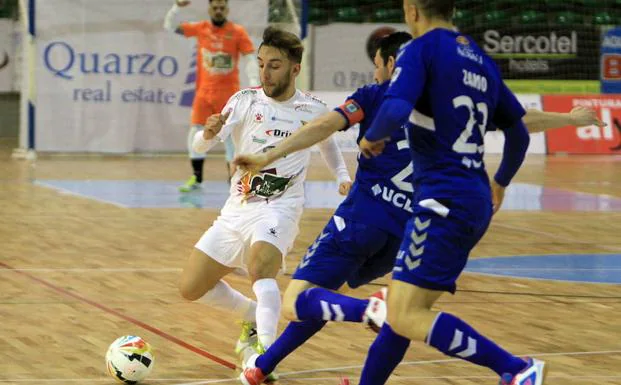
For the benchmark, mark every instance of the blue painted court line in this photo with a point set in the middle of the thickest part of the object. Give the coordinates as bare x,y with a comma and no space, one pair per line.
319,194
165,194
593,268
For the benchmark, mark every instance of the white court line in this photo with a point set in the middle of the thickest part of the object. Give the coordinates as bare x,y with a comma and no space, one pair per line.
76,194
96,269
412,363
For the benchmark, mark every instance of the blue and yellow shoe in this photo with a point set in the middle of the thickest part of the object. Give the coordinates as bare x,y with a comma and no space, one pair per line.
191,185
533,374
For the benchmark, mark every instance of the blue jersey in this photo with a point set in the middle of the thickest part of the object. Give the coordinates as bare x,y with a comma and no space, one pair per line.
457,94
382,191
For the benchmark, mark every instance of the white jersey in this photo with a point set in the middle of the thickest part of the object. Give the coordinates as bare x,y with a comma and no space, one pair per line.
257,123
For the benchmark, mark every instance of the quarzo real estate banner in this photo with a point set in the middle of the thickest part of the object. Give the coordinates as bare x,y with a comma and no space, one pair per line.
110,79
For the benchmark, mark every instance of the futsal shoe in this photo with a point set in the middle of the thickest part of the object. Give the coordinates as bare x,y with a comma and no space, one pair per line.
375,313
533,374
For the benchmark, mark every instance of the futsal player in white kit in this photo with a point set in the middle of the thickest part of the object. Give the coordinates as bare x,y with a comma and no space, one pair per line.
259,221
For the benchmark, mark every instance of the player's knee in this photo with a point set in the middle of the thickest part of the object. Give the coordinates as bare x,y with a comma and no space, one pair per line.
264,266
191,289
401,321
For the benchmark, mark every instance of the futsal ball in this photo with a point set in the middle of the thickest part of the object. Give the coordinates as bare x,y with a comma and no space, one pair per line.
129,359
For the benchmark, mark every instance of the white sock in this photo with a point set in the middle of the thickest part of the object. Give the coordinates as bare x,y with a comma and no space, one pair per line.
268,309
224,296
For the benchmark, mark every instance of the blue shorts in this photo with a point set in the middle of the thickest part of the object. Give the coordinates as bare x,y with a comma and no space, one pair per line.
437,243
348,251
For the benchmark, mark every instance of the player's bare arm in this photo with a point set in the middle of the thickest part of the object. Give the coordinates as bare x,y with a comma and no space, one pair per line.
538,121
310,134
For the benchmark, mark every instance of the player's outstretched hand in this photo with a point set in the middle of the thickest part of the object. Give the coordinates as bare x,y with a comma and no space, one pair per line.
498,195
251,162
344,188
582,116
214,124
371,149
182,3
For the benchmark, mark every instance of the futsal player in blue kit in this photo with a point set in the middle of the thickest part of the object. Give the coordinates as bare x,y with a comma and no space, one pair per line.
360,241
448,92
358,244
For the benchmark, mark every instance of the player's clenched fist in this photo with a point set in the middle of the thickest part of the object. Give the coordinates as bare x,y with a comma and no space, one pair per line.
182,3
214,125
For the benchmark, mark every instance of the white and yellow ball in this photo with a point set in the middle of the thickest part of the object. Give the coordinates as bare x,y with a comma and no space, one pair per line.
129,359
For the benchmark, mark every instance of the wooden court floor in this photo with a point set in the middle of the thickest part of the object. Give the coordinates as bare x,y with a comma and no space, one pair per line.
76,273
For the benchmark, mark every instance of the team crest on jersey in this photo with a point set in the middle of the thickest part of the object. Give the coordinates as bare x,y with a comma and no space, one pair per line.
258,117
267,184
462,40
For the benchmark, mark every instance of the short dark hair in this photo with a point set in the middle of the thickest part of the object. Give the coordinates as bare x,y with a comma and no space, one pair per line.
285,41
389,45
436,8
226,1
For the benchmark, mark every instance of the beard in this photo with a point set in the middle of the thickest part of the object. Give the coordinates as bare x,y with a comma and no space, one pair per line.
278,89
218,22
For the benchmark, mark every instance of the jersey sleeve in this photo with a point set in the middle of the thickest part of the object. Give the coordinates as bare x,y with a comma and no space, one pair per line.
408,79
235,107
354,107
191,29
244,44
508,109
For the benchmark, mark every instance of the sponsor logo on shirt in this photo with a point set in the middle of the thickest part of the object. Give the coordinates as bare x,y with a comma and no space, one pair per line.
303,108
276,119
258,117
258,140
276,133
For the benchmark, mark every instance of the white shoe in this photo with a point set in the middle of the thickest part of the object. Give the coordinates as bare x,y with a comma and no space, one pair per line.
375,313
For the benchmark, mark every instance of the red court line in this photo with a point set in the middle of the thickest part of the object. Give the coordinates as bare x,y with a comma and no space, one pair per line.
143,325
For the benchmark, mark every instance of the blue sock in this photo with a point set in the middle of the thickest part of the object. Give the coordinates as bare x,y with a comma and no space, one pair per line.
384,355
295,334
455,338
322,304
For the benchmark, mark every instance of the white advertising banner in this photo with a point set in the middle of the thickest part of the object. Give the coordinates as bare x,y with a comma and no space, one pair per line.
494,140
111,79
343,63
7,55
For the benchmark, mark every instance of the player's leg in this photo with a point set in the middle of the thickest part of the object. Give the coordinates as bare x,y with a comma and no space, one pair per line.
210,260
334,258
264,263
294,336
432,256
334,255
217,253
201,110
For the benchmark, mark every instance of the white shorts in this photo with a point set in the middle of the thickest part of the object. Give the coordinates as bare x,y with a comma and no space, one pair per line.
229,239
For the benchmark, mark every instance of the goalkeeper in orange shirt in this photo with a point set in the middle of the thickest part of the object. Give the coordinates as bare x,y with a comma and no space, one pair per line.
221,45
